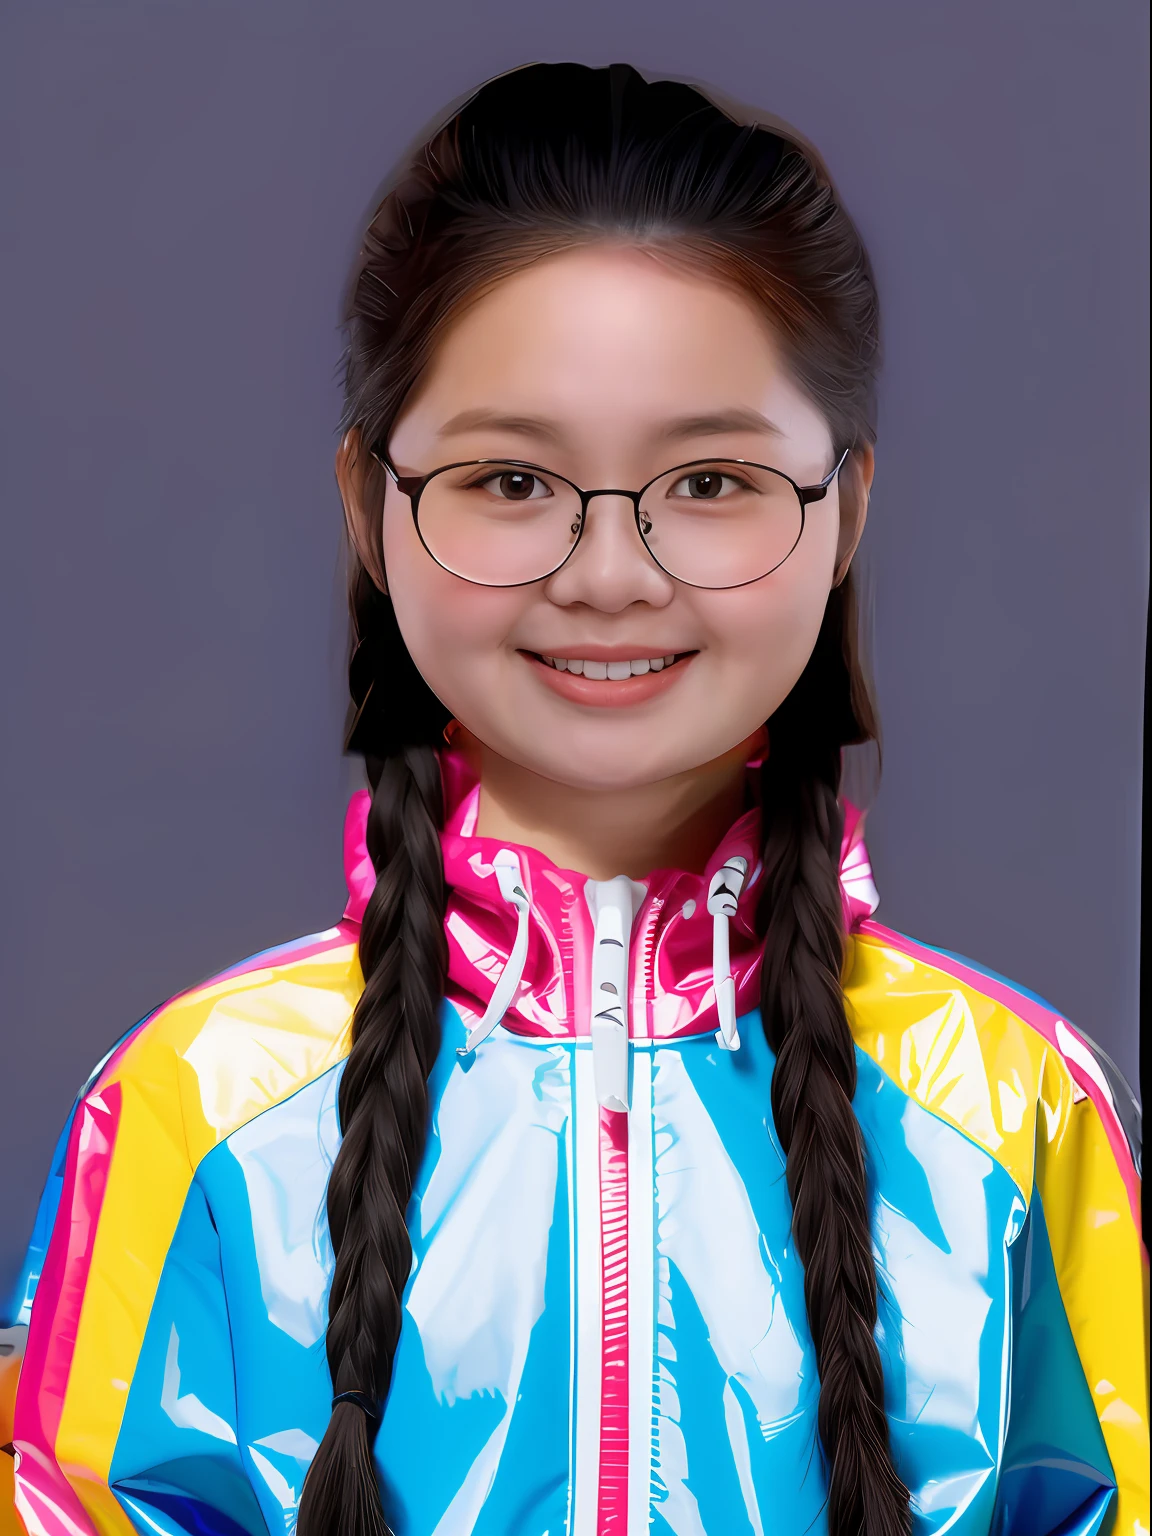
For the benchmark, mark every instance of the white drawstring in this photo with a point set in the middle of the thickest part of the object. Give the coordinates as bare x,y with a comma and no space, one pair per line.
508,877
723,895
612,911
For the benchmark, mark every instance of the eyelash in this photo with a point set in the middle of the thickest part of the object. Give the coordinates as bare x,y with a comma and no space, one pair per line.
735,479
473,485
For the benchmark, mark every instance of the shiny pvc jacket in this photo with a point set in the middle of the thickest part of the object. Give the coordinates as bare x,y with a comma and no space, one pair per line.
604,1331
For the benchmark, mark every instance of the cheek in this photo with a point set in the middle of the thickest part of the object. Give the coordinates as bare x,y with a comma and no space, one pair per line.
764,634
455,631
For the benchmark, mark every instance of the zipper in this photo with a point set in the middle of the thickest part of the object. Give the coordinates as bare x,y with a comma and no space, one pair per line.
613,905
613,1176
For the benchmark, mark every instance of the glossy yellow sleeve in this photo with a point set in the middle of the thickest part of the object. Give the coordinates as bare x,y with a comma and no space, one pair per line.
1091,1205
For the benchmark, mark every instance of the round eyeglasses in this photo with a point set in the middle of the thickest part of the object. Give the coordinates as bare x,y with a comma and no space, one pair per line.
711,523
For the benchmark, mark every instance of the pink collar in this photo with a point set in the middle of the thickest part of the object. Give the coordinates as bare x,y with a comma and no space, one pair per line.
670,965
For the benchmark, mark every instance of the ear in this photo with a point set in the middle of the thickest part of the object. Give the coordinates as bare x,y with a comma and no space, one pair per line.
855,484
356,472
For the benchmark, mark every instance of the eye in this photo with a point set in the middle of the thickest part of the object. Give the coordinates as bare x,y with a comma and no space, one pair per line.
707,485
515,485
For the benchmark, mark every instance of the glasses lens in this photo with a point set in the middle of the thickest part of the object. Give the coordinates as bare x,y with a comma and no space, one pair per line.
720,523
499,523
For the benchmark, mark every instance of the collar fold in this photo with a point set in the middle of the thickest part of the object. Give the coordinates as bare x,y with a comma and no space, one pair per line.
670,960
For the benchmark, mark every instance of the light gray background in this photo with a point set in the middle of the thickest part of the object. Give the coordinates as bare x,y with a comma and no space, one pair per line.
183,191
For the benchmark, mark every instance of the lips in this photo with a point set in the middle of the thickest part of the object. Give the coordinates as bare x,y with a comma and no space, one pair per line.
613,683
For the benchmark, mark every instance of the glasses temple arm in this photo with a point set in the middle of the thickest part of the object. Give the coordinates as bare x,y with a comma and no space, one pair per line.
817,492
380,454
832,473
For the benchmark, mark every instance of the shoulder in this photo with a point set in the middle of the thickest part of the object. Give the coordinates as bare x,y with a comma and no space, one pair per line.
187,1076
214,1057
204,1065
980,1051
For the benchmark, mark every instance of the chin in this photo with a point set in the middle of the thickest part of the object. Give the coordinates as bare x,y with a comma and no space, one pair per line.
606,767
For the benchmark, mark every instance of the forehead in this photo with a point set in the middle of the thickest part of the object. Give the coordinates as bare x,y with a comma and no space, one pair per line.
604,336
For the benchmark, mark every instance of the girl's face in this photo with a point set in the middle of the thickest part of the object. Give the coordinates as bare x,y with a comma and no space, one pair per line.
609,366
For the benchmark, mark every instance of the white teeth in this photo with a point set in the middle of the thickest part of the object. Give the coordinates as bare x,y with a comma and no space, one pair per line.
612,671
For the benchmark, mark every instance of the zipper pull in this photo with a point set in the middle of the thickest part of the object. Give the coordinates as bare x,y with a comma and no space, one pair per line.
611,904
723,895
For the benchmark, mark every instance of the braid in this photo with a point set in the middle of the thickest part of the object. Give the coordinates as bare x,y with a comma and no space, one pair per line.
814,1080
383,1106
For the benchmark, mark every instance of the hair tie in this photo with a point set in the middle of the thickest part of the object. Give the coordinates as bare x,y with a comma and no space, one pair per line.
361,1400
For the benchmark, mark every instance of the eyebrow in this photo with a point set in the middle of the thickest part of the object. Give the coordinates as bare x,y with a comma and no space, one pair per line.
715,424
482,416
712,424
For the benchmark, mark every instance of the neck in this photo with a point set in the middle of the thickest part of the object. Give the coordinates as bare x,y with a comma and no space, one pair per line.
675,823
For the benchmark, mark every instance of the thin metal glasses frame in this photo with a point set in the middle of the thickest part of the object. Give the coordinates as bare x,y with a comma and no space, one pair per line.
414,486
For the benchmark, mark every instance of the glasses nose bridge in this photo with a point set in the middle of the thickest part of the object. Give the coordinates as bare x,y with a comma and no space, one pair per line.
632,497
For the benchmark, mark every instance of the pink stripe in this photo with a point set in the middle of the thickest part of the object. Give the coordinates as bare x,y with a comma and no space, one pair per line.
1043,1020
612,1512
44,1496
45,1502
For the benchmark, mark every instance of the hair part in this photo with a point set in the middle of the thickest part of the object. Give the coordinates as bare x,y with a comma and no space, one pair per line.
538,161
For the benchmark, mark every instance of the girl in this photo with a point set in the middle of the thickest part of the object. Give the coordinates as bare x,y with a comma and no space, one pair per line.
607,1168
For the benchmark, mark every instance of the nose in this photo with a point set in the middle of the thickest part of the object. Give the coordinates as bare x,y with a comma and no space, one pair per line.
610,568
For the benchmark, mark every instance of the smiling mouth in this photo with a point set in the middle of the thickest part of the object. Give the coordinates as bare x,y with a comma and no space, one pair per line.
611,671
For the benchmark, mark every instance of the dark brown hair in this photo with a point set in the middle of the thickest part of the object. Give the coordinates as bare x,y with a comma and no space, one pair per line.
539,160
